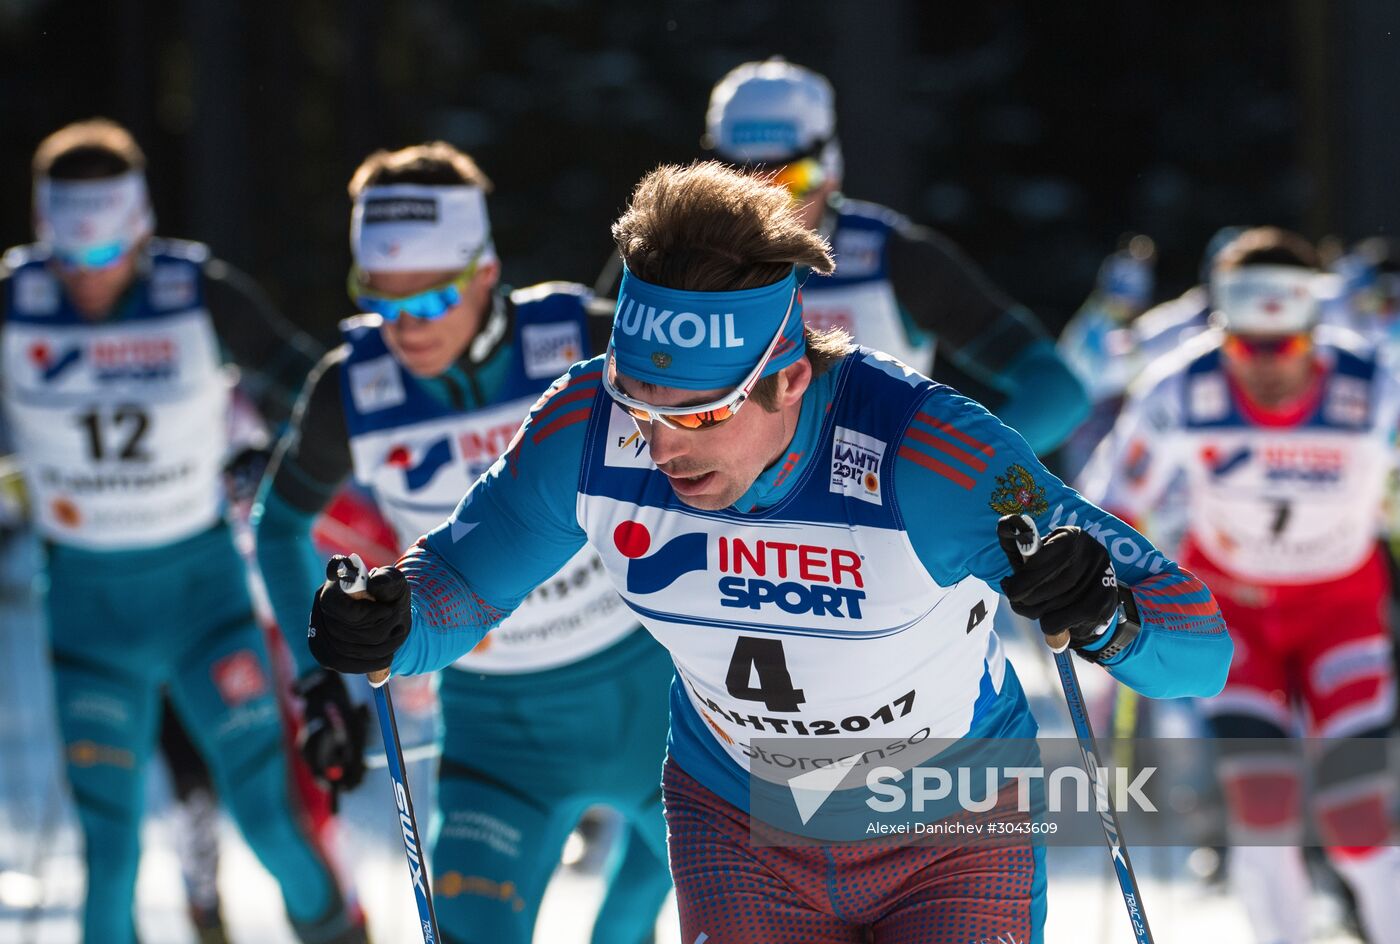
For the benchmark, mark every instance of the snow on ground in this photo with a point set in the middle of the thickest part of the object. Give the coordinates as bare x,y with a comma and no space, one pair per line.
41,882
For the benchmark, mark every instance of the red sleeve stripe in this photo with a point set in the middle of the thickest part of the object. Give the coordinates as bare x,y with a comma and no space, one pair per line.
1206,607
562,403
957,434
577,386
1179,602
1170,593
928,462
568,419
445,600
559,401
1167,593
1170,585
942,445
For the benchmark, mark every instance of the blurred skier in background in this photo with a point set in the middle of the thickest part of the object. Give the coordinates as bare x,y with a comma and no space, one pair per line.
1285,435
117,398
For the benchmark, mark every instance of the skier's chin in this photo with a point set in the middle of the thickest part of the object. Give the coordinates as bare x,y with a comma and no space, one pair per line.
709,492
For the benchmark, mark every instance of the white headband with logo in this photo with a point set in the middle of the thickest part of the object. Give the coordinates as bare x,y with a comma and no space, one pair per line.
89,221
1266,299
420,228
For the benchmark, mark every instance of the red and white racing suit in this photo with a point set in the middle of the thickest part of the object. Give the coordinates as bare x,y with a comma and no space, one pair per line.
1283,519
1284,511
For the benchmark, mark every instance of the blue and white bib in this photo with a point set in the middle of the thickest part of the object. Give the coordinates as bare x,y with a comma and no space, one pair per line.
858,296
420,456
812,618
121,424
1298,503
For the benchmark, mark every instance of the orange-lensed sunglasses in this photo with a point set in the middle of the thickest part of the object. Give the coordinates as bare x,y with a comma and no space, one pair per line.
1250,346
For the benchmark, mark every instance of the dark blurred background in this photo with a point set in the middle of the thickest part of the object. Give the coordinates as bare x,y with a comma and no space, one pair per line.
1034,132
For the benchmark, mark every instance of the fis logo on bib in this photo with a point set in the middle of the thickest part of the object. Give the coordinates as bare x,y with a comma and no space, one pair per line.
626,447
795,578
855,465
376,384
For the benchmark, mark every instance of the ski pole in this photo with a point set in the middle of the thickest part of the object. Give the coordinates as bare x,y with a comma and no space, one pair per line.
1021,531
410,754
352,576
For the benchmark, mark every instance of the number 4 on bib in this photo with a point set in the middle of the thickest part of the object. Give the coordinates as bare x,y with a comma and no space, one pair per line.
762,658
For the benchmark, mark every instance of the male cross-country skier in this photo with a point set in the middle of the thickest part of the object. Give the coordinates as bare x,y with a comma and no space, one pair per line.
1284,432
898,287
1367,300
821,553
117,398
565,705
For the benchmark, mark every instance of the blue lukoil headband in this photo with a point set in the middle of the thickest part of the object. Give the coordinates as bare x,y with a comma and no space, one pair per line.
704,340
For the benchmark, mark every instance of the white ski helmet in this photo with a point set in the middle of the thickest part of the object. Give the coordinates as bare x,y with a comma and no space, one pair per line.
773,112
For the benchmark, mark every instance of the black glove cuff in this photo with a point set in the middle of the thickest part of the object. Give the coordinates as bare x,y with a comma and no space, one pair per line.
1127,629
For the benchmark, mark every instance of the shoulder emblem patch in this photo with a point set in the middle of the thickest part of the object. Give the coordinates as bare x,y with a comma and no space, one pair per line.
1016,493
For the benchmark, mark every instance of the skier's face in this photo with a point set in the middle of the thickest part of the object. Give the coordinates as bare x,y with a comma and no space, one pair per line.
711,468
1272,369
428,347
812,207
94,292
807,181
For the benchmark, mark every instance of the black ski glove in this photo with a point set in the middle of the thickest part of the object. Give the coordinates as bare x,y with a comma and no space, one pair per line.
333,738
243,473
1068,584
359,636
